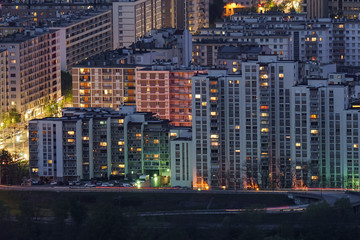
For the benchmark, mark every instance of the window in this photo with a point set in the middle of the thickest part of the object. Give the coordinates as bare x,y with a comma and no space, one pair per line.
71,132
121,143
85,138
13,61
156,141
103,144
71,140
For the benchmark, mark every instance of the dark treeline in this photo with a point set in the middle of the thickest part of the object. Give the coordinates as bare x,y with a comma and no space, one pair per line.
71,218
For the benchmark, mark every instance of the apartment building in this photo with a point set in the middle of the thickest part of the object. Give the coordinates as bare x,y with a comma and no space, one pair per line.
197,14
135,18
83,36
33,70
102,85
166,92
98,143
4,104
290,36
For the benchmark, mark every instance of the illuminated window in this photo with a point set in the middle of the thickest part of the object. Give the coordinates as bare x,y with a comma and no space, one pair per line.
214,136
121,165
261,68
13,61
103,167
264,76
103,144
213,113
49,161
71,140
237,127
156,155
114,172
314,131
121,142
138,149
203,103
264,130
281,75
341,26
156,141
190,96
71,132
313,116
298,167
213,98
237,150
234,63
342,56
198,96
264,107
121,149
264,114
298,144
213,90
34,170
320,39
314,177
121,120
138,135
356,145
264,84
313,39
235,69
173,134
214,144
281,52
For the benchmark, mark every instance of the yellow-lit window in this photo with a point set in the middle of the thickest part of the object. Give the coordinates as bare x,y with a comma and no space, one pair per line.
138,149
121,120
314,131
341,26
356,145
138,135
237,150
281,52
214,136
34,170
156,155
71,140
234,69
264,130
313,39
281,75
198,96
264,114
131,149
314,177
13,61
114,172
261,68
203,103
313,116
264,107
121,149
213,113
121,165
298,167
264,84
103,167
237,127
298,144
121,142
264,76
71,132
173,134
213,98
214,144
342,56
49,161
234,63
213,90
320,39
103,144
156,141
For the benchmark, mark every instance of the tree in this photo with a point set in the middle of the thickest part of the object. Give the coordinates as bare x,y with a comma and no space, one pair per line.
5,159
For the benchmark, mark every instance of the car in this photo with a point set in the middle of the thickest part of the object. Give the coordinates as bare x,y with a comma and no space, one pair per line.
78,183
53,183
89,185
126,185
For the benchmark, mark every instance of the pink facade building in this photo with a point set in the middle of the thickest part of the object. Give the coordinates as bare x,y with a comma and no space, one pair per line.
165,92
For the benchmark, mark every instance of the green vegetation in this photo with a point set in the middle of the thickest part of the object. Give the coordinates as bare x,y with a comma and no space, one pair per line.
12,172
10,118
66,87
96,215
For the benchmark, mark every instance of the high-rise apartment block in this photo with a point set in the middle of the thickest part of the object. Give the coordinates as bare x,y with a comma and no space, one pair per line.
290,36
99,143
83,36
103,85
4,104
197,14
166,92
33,70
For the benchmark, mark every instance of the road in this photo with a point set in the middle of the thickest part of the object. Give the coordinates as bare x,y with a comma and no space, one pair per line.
17,137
